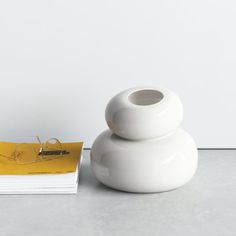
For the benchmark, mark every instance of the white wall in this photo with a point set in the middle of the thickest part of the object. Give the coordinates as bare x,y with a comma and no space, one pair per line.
60,62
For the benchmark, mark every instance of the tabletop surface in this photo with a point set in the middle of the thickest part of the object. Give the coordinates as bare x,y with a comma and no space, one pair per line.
205,206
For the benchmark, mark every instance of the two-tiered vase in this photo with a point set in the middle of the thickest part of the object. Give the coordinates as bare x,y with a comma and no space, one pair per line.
144,150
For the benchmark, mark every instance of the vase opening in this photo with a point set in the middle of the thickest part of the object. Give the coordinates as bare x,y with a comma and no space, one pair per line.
145,97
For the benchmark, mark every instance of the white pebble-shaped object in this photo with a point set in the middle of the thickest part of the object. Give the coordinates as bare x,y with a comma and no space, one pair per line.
154,165
144,113
144,151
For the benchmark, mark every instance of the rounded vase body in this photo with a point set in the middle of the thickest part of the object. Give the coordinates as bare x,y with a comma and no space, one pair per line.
144,151
154,165
145,113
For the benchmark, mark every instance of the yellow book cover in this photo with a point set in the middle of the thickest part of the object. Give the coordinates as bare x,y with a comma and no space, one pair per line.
12,154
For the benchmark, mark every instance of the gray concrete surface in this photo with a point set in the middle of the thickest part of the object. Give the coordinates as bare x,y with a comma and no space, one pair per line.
205,206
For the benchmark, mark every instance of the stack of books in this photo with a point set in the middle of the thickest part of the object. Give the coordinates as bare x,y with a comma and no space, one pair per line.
33,168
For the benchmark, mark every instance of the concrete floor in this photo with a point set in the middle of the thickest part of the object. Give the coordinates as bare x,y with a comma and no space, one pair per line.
205,206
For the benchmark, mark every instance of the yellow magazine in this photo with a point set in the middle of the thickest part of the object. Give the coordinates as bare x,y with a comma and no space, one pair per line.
10,164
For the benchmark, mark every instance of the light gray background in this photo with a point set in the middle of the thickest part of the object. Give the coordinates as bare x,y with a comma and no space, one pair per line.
60,62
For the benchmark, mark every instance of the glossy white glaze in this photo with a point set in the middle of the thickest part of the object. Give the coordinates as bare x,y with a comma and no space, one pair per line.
143,113
153,165
144,151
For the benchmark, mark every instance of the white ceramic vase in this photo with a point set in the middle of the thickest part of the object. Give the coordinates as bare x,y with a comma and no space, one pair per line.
144,150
